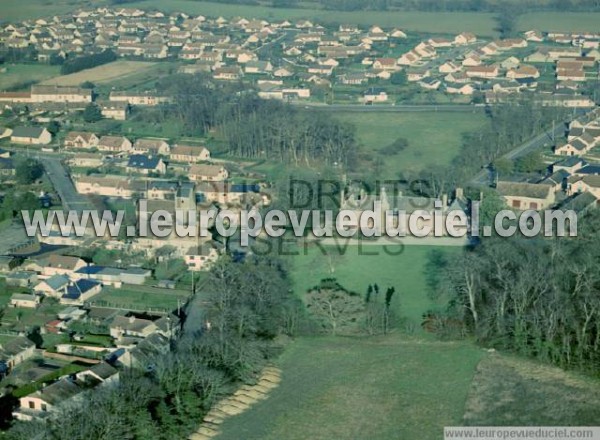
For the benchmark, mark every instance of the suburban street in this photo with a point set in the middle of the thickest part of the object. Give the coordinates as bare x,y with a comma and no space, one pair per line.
71,199
484,176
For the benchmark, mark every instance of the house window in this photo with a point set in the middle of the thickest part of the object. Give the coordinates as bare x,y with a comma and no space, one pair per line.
44,407
31,405
533,205
516,203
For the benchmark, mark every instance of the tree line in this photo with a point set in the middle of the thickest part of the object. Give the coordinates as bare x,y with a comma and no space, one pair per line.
79,63
255,128
537,297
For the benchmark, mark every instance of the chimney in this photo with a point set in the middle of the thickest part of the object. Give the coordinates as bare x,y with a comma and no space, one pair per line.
444,200
459,194
131,319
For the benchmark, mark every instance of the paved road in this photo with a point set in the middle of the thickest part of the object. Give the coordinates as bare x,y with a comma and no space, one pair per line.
484,176
71,199
466,108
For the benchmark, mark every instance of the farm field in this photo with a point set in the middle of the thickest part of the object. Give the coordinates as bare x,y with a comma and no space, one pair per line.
434,138
440,22
21,76
435,22
13,10
106,73
386,388
559,21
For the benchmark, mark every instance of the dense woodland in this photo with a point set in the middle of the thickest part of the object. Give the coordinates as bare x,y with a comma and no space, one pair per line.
255,128
537,297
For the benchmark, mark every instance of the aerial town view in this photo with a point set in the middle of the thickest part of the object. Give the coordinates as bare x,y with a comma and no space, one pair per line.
299,219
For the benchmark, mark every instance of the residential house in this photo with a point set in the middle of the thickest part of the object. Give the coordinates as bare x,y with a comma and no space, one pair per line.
523,71
148,98
60,265
24,300
141,163
151,146
258,67
385,64
374,94
16,351
228,73
189,154
44,93
21,278
510,63
570,165
524,196
55,286
465,38
449,67
534,35
482,71
102,373
581,184
81,139
114,110
201,257
80,291
459,89
472,60
114,144
131,326
7,168
40,402
87,160
31,136
110,186
208,173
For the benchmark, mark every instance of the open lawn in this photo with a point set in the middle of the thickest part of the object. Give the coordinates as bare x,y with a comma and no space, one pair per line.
106,73
362,388
434,138
394,265
21,76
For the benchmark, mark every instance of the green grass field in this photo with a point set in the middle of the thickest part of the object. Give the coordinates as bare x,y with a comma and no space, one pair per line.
434,138
435,22
559,21
13,10
362,388
141,297
24,74
361,266
447,22
105,74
